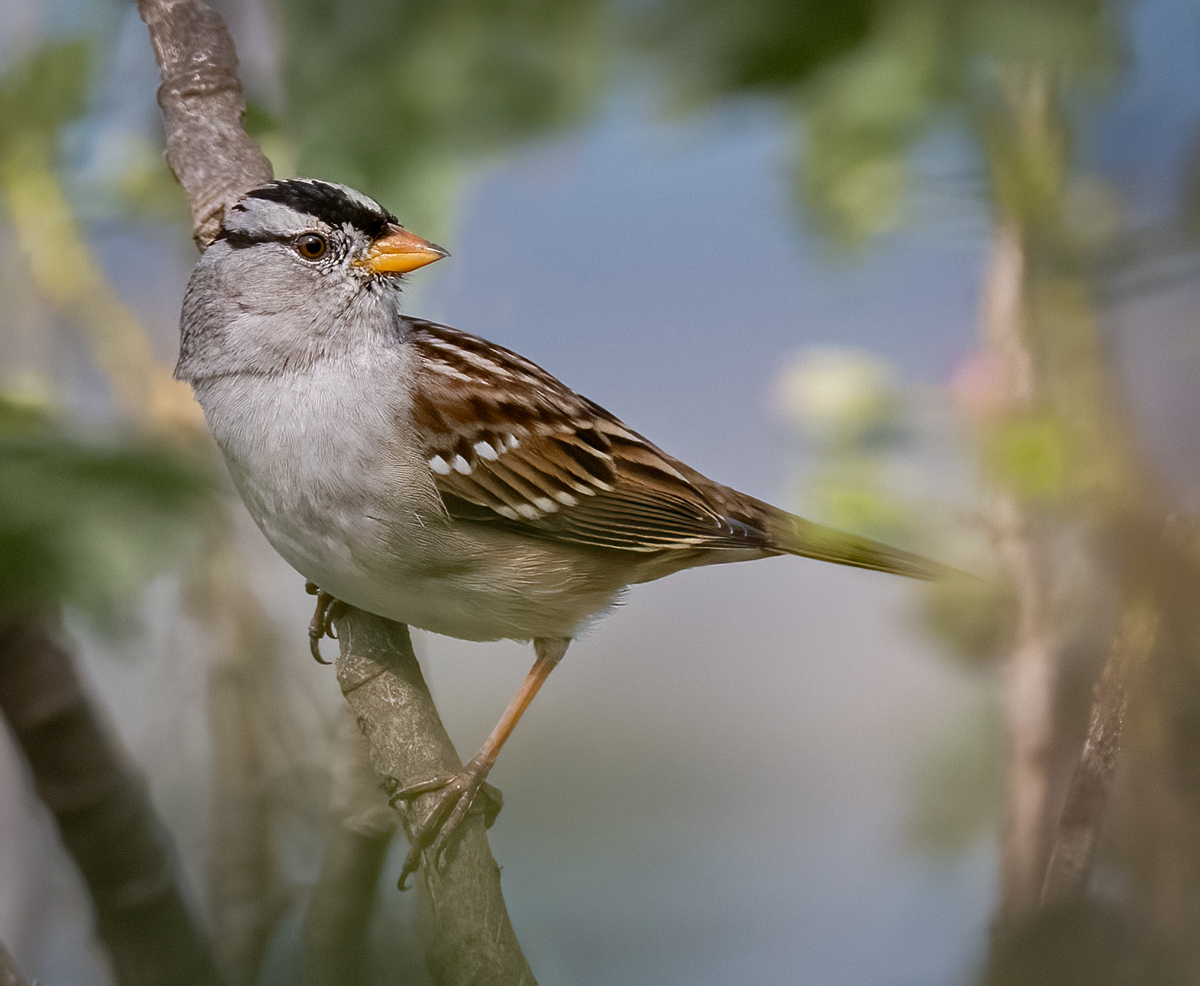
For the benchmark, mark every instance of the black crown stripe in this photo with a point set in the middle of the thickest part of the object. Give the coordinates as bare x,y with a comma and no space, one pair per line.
326,202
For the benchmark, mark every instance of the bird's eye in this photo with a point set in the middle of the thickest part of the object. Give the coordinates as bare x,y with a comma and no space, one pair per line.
310,246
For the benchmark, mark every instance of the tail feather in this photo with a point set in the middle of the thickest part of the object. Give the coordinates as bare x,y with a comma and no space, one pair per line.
798,536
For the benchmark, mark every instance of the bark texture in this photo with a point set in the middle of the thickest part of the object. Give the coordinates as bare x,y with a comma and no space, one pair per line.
202,103
1079,827
469,938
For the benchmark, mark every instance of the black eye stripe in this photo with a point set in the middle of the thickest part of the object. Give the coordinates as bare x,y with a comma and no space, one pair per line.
238,239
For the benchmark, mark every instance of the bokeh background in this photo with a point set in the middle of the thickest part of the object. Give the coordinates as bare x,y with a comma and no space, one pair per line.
768,234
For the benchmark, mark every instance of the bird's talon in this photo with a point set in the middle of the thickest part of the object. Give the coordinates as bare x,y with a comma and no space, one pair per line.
411,862
456,797
321,625
416,790
314,648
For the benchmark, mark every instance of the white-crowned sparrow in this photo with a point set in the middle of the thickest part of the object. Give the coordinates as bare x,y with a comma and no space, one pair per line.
427,475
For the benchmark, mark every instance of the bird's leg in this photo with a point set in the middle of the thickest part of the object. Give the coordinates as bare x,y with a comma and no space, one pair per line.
456,793
328,609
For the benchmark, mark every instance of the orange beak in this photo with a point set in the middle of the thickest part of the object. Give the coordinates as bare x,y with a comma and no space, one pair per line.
399,251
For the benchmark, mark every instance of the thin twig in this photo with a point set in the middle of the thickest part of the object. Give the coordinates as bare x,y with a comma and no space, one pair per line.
468,934
1082,815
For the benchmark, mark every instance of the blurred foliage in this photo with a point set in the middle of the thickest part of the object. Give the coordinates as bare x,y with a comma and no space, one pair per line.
1028,454
40,93
55,243
864,115
842,396
973,618
866,81
88,522
959,782
397,97
47,88
855,417
715,48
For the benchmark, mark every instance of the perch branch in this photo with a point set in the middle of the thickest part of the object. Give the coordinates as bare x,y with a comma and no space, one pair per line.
468,934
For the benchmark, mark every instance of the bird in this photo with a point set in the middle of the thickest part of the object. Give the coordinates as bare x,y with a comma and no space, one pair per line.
430,476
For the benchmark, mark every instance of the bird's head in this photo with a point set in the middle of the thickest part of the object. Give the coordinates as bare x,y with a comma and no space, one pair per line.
300,268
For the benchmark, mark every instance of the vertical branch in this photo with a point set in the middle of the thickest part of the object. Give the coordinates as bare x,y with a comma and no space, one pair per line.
1043,327
469,936
202,103
361,830
1087,796
245,890
103,812
1030,677
1030,670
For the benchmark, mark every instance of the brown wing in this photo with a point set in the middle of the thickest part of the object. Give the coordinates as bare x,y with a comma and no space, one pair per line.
509,444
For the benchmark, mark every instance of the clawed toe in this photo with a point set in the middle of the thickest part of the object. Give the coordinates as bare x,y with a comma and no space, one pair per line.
328,609
456,795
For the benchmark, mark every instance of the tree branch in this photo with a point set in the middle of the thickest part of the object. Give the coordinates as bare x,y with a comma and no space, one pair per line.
1075,846
361,830
202,103
103,812
1031,666
468,933
470,939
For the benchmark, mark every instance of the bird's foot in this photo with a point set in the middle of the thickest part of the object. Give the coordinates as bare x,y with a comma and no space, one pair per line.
328,609
456,795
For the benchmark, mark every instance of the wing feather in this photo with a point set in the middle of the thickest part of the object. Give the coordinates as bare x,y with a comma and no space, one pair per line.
510,444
